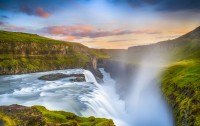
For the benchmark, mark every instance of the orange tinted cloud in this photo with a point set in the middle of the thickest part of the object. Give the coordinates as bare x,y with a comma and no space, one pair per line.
80,31
69,38
42,13
37,11
68,30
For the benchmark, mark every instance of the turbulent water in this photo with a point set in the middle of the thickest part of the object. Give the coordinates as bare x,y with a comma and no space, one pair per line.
85,98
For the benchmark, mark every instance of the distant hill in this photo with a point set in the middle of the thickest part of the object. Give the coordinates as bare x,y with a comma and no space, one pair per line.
25,53
195,34
184,47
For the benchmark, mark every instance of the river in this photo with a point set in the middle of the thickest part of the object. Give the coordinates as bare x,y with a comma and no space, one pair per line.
86,98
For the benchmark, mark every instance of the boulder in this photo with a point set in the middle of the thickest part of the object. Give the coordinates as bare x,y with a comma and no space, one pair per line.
78,79
20,116
57,76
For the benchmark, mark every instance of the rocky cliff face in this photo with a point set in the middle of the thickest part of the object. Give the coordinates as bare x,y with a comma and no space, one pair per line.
25,53
32,48
94,68
23,57
122,72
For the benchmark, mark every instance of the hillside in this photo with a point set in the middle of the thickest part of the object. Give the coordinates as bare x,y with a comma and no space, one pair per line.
17,115
184,47
181,80
25,53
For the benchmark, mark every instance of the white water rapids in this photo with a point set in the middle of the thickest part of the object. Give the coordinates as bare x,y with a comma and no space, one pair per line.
86,98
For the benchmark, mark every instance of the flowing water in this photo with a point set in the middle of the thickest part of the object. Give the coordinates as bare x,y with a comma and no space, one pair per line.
86,98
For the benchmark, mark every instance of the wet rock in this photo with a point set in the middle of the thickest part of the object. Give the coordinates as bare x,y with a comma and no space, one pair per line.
51,77
92,66
57,76
78,79
20,116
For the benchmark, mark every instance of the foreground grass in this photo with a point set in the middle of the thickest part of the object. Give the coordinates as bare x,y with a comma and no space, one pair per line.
16,115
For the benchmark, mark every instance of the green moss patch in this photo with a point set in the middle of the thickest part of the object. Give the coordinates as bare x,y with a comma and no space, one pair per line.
17,115
181,86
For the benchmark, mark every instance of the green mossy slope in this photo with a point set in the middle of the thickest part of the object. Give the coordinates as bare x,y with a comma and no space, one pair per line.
16,115
181,78
181,81
181,86
24,53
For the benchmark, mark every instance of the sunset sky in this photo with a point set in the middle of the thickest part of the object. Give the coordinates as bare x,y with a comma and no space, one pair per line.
102,23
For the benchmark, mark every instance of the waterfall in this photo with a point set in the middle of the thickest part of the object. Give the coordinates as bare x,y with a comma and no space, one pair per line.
89,77
104,102
143,106
144,101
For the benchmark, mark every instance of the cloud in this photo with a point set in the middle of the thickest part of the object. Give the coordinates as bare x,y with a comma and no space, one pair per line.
45,8
42,13
150,1
123,40
168,37
12,28
2,23
3,16
80,31
41,8
6,26
101,33
26,10
177,5
69,38
161,5
38,11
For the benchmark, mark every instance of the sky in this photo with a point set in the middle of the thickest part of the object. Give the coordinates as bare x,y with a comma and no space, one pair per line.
111,24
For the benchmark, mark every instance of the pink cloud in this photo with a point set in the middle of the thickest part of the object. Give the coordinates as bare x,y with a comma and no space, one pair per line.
42,13
38,11
69,38
80,31
26,10
2,23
